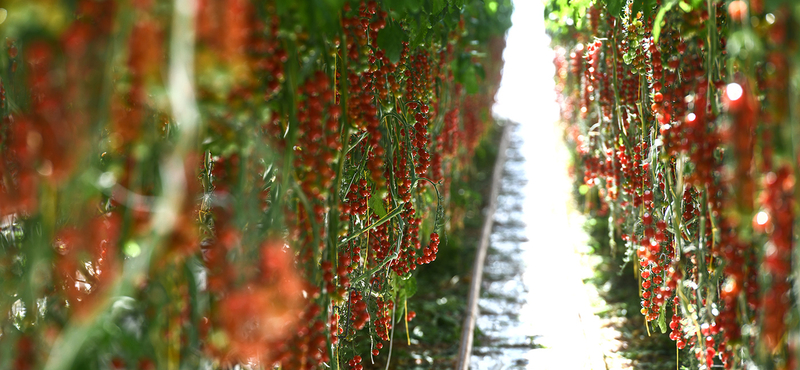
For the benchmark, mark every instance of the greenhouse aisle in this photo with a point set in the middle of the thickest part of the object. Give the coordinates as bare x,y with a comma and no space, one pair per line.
536,312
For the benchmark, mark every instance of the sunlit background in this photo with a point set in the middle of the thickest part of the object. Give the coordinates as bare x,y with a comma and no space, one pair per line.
558,312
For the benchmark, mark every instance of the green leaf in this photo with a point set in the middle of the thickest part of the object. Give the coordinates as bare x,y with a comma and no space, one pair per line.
637,7
376,204
662,319
403,287
419,37
327,15
396,8
479,70
471,82
409,287
615,7
648,8
404,5
660,17
335,4
412,5
452,17
393,4
466,73
391,39
437,6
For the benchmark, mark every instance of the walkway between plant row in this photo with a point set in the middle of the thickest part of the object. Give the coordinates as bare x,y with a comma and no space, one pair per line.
535,310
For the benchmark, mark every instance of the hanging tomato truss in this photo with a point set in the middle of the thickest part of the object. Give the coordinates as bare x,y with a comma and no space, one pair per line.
683,117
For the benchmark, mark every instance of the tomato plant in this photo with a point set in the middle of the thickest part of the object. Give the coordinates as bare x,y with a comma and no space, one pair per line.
683,121
215,183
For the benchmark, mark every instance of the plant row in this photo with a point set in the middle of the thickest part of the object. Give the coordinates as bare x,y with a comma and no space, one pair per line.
221,183
684,122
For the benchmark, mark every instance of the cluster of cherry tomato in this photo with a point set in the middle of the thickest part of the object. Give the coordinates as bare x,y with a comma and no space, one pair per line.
676,136
279,224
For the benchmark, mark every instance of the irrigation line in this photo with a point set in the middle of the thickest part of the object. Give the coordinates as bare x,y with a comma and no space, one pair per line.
468,329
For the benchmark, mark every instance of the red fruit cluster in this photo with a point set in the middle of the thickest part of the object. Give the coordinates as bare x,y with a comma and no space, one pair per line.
355,363
673,152
405,261
429,253
265,166
317,137
779,201
383,321
269,57
358,311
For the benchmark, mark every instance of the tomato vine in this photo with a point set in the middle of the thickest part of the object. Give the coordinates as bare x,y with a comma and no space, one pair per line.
215,183
683,140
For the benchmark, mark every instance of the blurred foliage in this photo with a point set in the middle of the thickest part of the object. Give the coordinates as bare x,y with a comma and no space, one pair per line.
221,183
